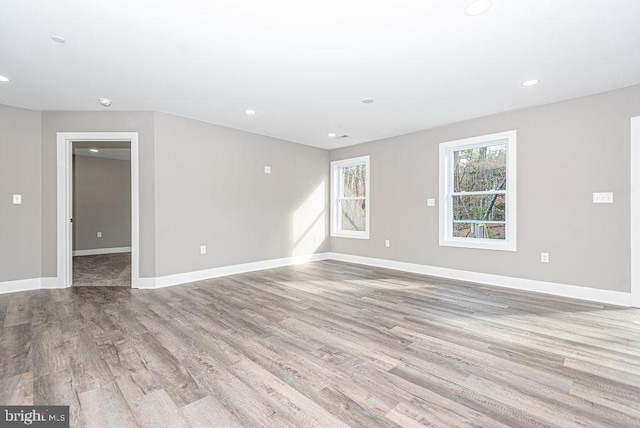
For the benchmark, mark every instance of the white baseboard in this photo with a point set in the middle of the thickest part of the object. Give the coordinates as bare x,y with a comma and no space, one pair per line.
169,280
183,278
556,289
96,251
28,284
20,285
573,291
50,282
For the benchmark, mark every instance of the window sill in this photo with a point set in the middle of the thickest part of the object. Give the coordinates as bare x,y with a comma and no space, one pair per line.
479,244
356,235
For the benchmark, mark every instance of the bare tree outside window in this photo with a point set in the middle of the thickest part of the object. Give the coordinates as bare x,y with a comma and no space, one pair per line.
479,193
350,195
353,198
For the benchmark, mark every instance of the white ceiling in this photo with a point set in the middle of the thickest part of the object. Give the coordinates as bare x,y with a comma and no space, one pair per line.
305,66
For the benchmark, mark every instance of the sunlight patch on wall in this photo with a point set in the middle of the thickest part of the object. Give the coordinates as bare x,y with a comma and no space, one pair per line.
309,223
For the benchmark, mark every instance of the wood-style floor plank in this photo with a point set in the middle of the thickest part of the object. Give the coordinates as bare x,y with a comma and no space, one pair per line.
326,344
209,412
105,407
16,390
58,389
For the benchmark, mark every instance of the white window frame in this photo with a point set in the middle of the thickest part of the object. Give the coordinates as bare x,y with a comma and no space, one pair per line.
446,193
336,166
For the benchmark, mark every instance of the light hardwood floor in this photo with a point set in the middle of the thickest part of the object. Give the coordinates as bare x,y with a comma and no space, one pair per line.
324,344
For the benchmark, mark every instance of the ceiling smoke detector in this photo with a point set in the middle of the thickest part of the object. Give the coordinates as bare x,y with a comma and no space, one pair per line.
58,39
367,100
105,102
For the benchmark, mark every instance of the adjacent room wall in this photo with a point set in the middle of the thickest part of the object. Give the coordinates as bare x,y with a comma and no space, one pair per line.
20,173
211,190
101,203
566,151
140,122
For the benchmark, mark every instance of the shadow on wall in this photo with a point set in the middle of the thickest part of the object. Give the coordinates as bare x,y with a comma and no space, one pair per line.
309,223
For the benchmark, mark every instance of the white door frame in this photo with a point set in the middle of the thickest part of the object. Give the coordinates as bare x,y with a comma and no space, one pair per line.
634,219
64,210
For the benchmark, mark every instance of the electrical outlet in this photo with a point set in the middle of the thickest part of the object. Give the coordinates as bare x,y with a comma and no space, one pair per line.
267,169
431,202
603,198
99,234
387,243
203,249
544,257
17,199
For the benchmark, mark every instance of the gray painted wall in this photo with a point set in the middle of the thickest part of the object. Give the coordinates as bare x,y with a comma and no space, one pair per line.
202,184
101,203
141,122
211,190
20,173
566,151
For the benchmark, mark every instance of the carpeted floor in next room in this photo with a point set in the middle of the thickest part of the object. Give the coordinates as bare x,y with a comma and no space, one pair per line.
104,270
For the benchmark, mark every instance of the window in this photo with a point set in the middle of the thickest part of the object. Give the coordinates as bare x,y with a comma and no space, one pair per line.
478,192
350,198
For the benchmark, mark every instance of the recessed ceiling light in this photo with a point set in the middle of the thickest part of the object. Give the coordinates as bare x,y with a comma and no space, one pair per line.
94,150
58,39
367,100
477,7
530,82
332,134
250,112
4,79
105,102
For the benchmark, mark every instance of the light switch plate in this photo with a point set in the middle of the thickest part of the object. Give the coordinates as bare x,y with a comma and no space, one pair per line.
203,249
603,198
267,169
17,199
431,202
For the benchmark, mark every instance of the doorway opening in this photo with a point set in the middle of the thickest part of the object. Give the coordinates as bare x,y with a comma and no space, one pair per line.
101,213
98,209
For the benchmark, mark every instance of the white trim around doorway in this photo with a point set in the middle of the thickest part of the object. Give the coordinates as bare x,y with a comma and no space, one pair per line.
64,209
98,251
634,219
